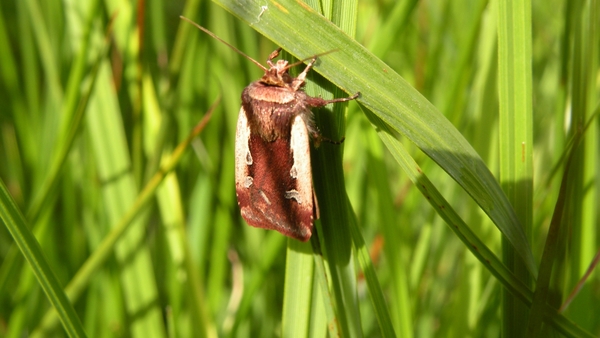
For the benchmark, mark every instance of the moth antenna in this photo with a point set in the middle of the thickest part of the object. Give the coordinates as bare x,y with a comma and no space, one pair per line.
309,58
223,41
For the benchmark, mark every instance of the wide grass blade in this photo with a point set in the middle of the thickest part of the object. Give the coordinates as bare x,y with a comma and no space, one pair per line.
392,99
516,140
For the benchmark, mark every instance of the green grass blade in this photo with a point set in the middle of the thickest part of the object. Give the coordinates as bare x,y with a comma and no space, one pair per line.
540,297
392,99
168,195
516,140
412,254
110,151
271,249
72,115
582,195
48,57
106,248
334,241
323,287
74,107
297,300
376,293
16,224
395,22
477,247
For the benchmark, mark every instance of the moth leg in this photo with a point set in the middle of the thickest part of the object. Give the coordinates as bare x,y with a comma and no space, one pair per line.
318,139
343,99
273,55
299,81
319,102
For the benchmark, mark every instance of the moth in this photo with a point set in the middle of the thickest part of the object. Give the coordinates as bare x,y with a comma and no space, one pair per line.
273,175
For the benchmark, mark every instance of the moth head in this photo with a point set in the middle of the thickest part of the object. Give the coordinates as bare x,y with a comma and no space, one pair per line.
278,74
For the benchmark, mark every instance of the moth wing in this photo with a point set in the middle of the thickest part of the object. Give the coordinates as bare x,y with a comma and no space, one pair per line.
302,171
243,157
274,179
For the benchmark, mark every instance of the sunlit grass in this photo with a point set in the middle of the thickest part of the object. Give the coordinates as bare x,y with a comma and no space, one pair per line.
90,113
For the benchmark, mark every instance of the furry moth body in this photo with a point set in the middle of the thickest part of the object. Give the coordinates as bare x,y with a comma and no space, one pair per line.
273,176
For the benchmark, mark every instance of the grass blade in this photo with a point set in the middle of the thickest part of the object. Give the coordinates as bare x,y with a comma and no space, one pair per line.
516,140
16,224
392,99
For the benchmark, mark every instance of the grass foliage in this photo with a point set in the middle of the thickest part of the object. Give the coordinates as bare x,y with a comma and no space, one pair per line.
463,202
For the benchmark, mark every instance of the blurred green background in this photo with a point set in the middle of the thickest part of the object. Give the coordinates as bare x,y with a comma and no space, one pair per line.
96,95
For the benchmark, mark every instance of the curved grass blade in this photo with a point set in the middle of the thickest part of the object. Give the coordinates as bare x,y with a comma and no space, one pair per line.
17,226
293,26
477,247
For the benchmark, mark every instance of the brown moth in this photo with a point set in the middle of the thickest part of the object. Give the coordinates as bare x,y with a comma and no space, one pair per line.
273,176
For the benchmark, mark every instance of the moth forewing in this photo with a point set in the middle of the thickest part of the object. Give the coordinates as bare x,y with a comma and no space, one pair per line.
273,178
243,157
301,172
